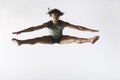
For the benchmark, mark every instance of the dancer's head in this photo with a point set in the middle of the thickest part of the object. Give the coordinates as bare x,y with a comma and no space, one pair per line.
55,14
58,12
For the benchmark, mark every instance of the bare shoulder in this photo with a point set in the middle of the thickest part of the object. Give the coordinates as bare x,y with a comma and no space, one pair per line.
45,24
68,24
65,23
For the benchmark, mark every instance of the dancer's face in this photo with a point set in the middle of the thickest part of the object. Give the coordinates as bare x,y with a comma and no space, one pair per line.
55,17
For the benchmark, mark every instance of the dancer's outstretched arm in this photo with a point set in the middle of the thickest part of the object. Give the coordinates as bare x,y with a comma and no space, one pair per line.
31,29
80,28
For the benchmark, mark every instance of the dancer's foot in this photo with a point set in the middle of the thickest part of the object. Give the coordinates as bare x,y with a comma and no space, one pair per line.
94,39
16,41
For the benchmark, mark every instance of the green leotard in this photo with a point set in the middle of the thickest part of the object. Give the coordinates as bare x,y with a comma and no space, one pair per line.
56,31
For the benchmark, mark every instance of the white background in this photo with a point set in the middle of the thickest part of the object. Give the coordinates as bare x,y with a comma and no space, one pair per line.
100,61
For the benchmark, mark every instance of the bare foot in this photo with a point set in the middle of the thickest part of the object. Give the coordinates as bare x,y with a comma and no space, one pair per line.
16,41
94,39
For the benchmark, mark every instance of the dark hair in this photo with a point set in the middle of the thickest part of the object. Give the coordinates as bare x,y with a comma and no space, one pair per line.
55,11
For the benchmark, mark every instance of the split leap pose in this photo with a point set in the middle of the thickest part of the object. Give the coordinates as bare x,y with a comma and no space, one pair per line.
55,27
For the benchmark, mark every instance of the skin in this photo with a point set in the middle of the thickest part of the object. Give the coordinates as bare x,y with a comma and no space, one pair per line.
65,39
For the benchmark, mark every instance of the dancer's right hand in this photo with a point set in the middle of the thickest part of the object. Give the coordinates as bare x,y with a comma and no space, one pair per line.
16,32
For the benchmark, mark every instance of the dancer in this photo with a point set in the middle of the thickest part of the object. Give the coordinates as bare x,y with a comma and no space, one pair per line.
55,27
